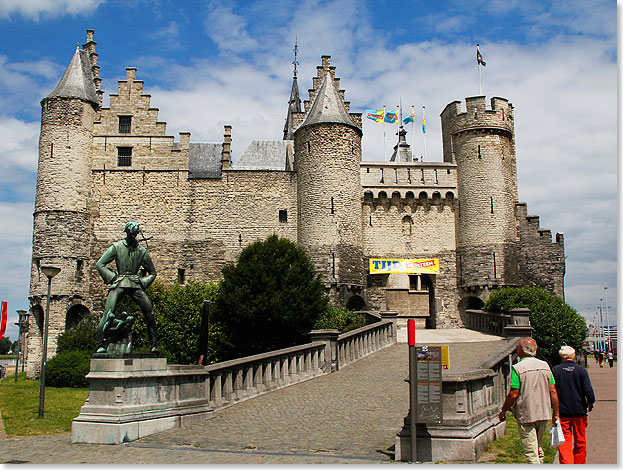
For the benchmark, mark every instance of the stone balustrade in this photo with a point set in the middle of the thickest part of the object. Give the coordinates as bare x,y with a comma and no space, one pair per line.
232,381
514,323
359,343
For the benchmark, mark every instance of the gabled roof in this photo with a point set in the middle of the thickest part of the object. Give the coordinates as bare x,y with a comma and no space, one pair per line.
328,107
77,81
264,155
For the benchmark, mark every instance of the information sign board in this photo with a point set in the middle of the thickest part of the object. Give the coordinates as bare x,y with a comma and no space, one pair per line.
428,383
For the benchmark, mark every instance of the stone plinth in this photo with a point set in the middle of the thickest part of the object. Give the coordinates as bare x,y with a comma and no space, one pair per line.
133,396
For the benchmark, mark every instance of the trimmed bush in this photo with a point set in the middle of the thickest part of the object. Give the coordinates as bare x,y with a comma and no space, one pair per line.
340,318
555,323
68,369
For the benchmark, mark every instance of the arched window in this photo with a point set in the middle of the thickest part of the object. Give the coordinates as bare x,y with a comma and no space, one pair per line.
407,225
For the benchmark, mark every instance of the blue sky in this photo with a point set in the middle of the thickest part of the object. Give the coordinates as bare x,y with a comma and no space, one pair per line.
210,63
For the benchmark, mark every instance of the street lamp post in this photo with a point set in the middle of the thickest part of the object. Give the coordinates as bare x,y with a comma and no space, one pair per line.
607,319
49,272
20,344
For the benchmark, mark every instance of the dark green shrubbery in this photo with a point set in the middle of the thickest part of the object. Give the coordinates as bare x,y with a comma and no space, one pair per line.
270,299
555,323
340,318
80,337
68,369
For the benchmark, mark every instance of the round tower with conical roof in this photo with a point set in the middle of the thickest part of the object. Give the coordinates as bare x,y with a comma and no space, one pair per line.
327,157
62,222
481,141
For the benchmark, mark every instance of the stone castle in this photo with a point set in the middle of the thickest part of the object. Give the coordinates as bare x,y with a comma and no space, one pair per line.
102,167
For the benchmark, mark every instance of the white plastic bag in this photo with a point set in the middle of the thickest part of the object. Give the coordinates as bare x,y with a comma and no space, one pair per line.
557,437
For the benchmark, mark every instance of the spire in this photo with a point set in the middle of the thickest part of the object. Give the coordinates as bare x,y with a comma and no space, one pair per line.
294,105
328,107
402,150
77,81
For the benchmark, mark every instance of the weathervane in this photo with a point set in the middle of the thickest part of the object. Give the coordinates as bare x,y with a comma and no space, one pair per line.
296,50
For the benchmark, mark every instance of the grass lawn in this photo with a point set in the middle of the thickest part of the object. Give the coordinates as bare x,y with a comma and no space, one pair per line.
509,450
19,404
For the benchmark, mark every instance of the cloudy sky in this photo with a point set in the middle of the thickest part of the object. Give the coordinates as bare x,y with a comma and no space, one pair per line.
210,63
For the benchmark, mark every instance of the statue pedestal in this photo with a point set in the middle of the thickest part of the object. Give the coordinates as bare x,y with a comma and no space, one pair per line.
138,395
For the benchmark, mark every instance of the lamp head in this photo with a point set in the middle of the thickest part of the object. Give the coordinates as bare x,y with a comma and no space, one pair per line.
50,271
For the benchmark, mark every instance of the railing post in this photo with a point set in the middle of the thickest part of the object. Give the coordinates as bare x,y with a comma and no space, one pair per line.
393,317
519,323
329,338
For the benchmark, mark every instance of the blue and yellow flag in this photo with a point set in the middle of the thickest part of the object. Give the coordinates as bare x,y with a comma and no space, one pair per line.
424,120
391,116
479,57
376,115
409,118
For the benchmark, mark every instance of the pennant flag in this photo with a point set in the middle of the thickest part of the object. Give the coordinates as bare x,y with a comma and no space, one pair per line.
376,115
391,116
3,320
409,118
424,120
479,57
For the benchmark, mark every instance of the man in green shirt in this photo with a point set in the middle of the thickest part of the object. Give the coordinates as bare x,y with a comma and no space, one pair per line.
532,396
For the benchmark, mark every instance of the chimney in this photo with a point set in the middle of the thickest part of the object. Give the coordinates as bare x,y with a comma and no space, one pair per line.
226,160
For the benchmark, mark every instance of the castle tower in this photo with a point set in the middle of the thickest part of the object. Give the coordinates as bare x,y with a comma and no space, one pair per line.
294,104
327,157
61,218
482,143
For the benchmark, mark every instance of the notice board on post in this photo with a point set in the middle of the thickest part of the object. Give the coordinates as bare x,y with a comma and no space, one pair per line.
428,388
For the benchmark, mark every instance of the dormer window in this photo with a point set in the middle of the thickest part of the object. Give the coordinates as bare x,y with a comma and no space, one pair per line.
125,124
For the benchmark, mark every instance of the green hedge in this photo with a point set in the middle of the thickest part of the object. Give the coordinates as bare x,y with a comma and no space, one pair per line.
68,369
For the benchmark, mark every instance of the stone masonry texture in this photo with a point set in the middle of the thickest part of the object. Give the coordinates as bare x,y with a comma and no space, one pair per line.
462,210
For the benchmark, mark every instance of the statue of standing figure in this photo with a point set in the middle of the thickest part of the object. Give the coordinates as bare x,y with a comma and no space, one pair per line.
129,258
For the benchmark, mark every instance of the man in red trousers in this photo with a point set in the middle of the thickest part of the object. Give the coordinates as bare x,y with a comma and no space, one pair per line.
576,398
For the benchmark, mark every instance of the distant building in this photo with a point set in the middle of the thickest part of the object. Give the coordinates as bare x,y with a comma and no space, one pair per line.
457,223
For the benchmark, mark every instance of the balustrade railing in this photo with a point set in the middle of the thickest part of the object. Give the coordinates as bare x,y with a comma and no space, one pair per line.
361,342
514,323
232,381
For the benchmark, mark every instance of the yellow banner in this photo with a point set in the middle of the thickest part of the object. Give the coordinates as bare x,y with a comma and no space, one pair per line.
411,266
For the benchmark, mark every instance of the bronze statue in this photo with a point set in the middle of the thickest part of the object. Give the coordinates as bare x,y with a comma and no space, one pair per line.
129,258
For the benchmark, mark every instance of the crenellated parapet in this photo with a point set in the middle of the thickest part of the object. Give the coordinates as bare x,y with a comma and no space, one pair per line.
541,259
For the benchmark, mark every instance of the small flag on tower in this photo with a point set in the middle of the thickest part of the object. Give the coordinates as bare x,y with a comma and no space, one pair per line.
409,118
376,115
391,116
3,320
479,56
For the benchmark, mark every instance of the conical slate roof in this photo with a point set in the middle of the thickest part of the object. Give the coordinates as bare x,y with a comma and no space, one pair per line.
328,107
294,106
77,81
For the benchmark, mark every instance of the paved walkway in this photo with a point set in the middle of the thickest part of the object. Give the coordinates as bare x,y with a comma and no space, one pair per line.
351,416
601,433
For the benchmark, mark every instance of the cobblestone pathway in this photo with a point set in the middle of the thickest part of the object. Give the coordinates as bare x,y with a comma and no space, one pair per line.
351,416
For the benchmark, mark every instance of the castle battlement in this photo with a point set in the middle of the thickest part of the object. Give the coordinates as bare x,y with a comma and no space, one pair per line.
476,116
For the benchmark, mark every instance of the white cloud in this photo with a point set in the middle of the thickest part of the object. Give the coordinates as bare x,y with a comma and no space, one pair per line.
227,29
36,9
19,144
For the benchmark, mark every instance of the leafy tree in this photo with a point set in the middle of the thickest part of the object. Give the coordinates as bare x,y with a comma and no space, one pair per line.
555,323
80,337
270,299
5,345
177,309
340,318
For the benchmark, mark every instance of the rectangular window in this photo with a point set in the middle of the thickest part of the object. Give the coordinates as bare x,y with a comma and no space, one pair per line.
283,216
124,156
125,124
181,276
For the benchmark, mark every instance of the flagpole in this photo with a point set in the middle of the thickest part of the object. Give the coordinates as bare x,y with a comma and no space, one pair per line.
479,74
412,124
424,129
384,144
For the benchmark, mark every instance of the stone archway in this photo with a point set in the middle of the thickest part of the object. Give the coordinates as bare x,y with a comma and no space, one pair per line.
356,303
75,315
